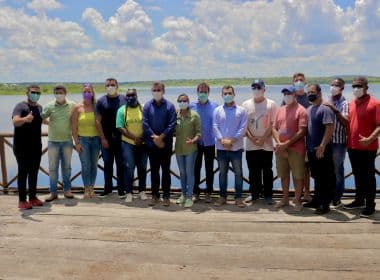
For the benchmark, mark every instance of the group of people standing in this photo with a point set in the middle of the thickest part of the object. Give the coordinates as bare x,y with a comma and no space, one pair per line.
311,136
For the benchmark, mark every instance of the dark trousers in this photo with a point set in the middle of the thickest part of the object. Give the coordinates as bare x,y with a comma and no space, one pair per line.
260,172
322,171
363,168
160,158
113,153
28,164
209,154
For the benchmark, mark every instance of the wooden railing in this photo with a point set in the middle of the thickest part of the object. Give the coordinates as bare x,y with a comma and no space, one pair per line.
5,182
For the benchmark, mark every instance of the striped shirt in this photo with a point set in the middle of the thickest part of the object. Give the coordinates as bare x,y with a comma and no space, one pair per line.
340,131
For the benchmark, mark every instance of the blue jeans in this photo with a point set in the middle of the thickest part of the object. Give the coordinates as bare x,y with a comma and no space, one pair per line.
186,165
224,158
113,153
89,159
134,156
60,152
339,154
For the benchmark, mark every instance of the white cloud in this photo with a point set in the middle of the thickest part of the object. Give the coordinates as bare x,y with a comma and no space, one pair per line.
129,24
44,5
217,39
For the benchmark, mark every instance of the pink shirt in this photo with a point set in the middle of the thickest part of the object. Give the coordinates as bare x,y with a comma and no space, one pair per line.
288,121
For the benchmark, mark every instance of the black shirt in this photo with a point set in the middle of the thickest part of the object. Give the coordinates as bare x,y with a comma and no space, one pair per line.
27,136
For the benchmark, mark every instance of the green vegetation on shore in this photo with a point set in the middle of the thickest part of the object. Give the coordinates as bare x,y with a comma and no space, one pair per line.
47,88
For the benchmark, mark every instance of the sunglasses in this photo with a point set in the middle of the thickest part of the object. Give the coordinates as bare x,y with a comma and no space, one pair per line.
156,90
256,87
357,86
35,92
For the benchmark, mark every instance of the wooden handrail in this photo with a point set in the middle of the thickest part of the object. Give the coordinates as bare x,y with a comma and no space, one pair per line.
5,183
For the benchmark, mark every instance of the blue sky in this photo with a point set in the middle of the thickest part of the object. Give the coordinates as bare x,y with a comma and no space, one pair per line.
70,40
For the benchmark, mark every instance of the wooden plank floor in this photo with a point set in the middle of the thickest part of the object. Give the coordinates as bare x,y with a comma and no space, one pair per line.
106,239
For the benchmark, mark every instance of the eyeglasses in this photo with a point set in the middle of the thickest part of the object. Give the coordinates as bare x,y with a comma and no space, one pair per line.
156,90
357,86
256,87
35,92
182,101
131,95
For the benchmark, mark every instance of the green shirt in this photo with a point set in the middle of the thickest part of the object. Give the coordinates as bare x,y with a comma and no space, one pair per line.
187,127
59,120
133,122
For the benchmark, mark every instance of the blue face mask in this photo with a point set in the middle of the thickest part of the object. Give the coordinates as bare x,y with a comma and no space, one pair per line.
132,101
202,97
34,97
299,85
228,98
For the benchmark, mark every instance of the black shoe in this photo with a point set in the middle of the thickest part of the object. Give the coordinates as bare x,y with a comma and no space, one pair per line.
322,210
367,212
121,194
104,194
310,204
337,204
354,205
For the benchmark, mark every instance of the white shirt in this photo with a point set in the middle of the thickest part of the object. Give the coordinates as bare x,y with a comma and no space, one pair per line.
260,117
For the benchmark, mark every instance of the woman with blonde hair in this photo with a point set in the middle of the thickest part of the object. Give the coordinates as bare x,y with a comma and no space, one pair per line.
86,138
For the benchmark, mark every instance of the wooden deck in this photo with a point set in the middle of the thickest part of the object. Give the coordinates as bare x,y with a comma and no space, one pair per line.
106,239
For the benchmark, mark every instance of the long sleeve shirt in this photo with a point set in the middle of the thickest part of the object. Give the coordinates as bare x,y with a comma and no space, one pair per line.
205,112
159,119
230,122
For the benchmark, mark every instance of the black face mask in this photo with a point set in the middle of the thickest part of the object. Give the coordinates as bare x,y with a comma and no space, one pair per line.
132,101
312,97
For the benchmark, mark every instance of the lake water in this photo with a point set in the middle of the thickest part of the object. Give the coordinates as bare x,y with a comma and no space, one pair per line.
242,93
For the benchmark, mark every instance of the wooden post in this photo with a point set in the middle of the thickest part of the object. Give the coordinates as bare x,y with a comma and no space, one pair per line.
4,172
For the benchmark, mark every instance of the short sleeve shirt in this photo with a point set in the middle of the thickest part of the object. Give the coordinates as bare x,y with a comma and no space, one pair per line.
133,121
260,117
288,120
319,117
364,117
59,120
107,108
28,135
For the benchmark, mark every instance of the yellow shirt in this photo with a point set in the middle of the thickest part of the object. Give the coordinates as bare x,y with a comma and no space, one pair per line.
86,124
132,122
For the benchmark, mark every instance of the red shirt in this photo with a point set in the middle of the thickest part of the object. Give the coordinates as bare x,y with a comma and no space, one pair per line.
364,117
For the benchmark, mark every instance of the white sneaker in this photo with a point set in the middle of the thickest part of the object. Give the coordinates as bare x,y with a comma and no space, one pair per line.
129,198
181,200
248,199
143,195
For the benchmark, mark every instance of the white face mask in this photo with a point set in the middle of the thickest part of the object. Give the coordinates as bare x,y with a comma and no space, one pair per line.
257,93
157,95
111,90
334,90
358,92
60,97
288,99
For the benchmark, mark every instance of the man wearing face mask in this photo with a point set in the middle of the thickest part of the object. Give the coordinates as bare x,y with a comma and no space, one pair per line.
259,144
206,144
129,123
363,133
319,151
299,83
110,137
230,125
159,121
339,105
27,146
60,145
289,130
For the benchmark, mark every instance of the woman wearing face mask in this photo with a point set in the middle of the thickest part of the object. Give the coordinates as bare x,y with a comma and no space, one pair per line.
188,131
27,146
86,138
